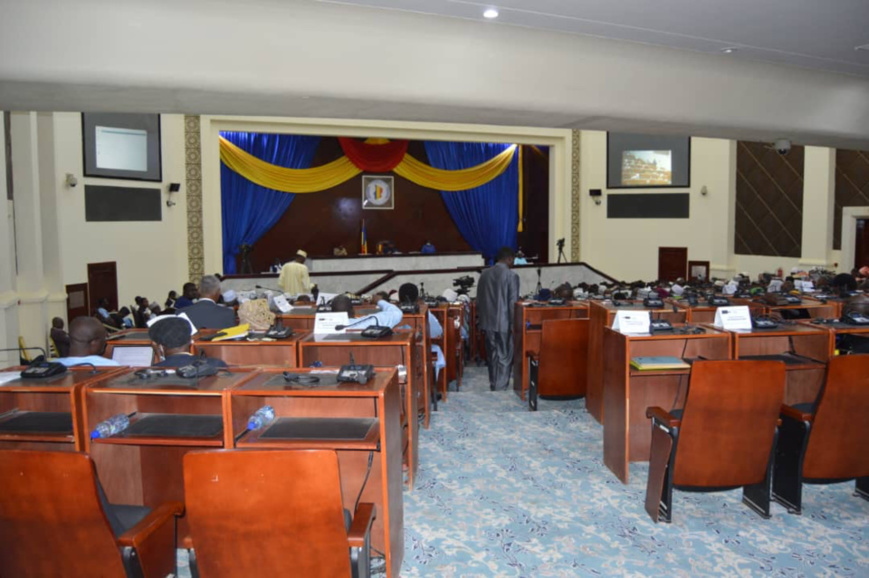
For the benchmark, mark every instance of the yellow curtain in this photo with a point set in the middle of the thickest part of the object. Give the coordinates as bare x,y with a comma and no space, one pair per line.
459,180
333,174
283,179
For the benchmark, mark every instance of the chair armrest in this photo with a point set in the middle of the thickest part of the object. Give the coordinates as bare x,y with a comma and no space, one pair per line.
362,520
661,415
150,524
794,413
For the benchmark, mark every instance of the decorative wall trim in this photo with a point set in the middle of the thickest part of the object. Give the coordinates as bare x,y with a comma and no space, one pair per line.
193,187
574,195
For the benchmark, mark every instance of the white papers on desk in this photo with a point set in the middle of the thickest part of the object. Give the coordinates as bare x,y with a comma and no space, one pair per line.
325,322
7,376
282,304
133,355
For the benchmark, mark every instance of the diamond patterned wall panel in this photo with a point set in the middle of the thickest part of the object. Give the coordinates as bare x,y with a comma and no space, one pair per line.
852,186
769,201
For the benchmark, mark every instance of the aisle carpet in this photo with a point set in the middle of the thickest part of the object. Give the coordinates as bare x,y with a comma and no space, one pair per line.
502,491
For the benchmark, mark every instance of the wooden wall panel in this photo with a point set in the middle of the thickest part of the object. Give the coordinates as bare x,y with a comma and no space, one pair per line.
852,186
769,200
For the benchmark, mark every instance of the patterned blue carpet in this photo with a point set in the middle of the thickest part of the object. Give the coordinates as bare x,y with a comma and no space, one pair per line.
503,491
507,492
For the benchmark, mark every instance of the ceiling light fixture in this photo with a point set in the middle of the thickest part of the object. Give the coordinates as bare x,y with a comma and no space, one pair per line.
729,50
490,13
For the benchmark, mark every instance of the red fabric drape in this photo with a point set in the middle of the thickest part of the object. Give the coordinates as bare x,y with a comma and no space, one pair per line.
374,157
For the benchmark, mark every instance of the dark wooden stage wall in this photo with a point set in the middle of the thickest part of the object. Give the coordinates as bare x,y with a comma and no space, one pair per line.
318,222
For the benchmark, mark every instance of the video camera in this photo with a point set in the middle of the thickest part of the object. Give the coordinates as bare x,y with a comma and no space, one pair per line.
463,284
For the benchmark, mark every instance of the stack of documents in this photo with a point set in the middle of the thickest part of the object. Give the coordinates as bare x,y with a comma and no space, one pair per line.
658,363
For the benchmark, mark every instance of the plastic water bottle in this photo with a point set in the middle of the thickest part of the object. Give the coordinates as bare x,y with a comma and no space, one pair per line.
261,417
114,425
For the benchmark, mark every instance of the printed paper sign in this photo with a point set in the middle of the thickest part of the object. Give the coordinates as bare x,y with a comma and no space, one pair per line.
327,322
631,322
737,317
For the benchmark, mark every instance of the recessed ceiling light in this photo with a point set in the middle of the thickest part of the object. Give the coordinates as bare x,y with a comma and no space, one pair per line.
490,13
729,50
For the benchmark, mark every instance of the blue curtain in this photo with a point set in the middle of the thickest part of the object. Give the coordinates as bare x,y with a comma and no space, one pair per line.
250,210
486,216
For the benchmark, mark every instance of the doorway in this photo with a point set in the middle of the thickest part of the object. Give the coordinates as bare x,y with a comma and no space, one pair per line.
103,282
861,244
672,263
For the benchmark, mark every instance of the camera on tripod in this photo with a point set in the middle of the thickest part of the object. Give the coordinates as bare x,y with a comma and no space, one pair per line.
463,284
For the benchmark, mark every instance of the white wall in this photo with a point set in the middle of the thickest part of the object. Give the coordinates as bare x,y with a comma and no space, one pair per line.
628,248
151,256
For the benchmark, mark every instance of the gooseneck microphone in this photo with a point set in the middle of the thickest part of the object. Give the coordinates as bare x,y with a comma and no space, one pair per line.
358,321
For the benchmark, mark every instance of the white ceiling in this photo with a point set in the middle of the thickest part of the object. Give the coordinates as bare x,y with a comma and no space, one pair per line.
818,34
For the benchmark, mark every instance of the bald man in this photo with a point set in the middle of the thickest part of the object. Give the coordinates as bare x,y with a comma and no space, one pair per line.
87,343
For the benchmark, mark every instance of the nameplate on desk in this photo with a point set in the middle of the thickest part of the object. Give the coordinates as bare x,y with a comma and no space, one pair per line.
282,304
328,322
737,317
631,322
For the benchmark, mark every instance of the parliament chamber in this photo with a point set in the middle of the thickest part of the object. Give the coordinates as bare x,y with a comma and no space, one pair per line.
256,317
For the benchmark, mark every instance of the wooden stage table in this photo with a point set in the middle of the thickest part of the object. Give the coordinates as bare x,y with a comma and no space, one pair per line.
627,432
176,415
279,352
528,318
601,315
55,401
400,348
375,405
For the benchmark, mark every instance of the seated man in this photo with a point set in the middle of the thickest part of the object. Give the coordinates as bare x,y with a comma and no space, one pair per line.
188,296
104,315
428,248
388,316
206,313
59,337
87,343
408,293
170,338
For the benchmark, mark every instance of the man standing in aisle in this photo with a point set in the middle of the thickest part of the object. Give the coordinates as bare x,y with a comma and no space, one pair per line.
294,275
497,293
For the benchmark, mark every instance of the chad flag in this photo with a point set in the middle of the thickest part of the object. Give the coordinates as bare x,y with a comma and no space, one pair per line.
363,241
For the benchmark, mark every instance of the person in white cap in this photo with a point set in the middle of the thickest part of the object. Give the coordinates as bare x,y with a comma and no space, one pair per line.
294,277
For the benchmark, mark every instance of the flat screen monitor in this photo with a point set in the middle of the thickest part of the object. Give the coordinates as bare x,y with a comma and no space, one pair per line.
133,355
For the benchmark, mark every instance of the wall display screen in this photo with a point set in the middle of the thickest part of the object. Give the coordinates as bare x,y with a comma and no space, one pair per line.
122,146
648,161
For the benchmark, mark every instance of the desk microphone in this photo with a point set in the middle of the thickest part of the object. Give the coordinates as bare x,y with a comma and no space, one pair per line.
358,321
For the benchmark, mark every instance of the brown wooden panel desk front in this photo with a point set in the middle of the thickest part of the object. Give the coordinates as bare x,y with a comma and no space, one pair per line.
46,414
601,315
169,416
280,352
400,348
628,392
375,405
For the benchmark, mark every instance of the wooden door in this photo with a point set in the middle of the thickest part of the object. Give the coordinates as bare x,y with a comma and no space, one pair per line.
77,304
103,282
861,248
672,263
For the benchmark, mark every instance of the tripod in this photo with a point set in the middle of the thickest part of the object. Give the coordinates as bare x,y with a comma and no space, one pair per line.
560,244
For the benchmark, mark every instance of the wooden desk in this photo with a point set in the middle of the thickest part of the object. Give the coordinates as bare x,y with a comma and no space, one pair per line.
837,303
601,315
300,318
56,399
836,329
451,318
148,469
378,400
627,392
814,308
400,348
705,313
804,348
528,318
418,322
281,352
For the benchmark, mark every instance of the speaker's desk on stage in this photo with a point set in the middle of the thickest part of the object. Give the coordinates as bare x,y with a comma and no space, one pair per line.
628,392
400,348
253,352
528,318
359,421
601,315
45,414
169,416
